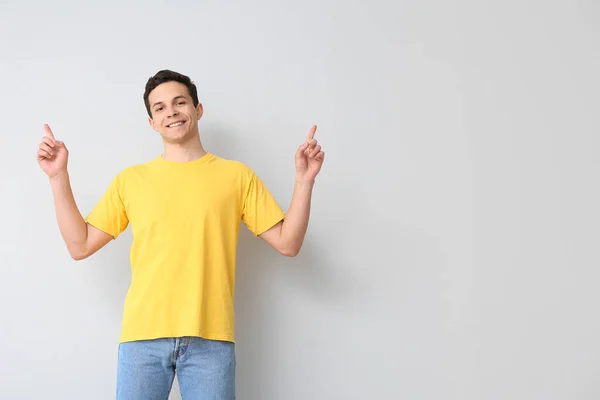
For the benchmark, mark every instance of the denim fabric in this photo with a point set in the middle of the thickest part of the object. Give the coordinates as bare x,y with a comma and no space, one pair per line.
205,369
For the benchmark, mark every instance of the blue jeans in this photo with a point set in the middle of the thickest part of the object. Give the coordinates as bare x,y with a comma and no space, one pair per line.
205,369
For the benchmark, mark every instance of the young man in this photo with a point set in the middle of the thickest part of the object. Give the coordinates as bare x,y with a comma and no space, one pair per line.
185,208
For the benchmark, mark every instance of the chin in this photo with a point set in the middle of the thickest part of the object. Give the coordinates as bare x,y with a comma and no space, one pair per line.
176,138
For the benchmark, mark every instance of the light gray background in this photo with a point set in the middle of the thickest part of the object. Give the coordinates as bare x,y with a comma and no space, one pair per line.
452,250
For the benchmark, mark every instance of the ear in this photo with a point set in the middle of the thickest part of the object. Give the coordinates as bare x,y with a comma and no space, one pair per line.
151,122
199,111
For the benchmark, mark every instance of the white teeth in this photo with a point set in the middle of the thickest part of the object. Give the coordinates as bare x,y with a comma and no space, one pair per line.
175,124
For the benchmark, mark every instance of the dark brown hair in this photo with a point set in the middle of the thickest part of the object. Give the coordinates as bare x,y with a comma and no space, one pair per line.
166,75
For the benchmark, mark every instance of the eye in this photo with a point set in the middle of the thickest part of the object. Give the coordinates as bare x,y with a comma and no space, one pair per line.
158,109
181,102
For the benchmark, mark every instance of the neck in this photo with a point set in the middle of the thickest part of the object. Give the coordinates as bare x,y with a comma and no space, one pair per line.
185,151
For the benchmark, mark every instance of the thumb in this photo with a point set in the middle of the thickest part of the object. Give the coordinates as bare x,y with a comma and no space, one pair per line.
301,148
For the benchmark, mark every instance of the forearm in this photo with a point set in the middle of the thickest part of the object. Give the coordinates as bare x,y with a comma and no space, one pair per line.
73,227
295,223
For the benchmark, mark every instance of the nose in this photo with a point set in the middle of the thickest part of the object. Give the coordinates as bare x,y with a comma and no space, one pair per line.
171,112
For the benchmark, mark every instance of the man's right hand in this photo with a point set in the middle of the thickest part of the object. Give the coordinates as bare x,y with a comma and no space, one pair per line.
52,154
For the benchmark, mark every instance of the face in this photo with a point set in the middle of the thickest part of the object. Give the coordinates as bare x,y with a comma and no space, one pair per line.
173,112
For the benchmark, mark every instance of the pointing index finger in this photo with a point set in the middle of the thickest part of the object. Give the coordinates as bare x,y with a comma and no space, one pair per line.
48,131
311,133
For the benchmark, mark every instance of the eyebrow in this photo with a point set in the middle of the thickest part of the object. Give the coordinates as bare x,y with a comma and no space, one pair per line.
174,98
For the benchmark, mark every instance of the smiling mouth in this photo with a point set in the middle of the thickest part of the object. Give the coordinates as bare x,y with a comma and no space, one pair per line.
175,124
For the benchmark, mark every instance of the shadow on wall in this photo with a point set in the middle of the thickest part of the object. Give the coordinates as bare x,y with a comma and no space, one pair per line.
363,264
321,275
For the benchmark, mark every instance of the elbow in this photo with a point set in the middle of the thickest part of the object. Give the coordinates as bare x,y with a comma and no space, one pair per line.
78,257
78,254
289,251
289,254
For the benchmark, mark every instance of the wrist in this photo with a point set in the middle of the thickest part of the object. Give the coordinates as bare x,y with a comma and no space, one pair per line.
59,176
304,181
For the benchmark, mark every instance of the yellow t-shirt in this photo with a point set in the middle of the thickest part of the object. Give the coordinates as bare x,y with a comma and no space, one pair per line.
185,219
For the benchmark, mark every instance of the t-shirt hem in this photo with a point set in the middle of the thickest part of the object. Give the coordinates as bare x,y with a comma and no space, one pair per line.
95,224
150,336
268,226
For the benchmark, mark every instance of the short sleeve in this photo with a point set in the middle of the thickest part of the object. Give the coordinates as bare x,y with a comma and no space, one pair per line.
109,214
260,209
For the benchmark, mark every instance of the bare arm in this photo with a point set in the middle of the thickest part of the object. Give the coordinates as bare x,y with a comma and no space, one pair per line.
288,235
82,239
